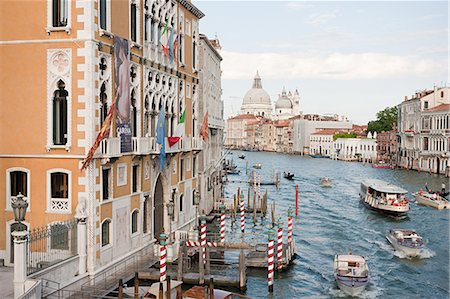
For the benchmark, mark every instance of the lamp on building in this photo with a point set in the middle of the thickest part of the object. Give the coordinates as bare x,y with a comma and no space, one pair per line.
196,203
171,206
19,206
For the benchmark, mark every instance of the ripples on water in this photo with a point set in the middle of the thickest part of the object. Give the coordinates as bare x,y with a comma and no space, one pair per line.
332,220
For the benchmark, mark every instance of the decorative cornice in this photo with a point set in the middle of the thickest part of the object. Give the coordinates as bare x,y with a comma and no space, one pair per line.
192,8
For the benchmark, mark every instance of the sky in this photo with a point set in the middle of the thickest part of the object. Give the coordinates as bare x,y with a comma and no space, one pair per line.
351,58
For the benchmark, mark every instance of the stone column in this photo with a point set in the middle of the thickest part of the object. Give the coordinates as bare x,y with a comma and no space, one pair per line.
82,249
20,262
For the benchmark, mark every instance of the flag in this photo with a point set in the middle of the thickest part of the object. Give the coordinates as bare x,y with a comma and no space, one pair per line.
204,129
175,45
170,46
165,28
102,134
160,138
165,50
179,131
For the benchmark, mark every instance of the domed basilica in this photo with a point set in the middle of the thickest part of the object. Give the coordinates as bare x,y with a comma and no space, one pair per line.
257,102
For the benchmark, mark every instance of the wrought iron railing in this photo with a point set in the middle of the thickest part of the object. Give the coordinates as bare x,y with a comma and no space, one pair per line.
51,244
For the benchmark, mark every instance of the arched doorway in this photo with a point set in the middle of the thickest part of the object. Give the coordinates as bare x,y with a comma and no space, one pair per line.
158,211
438,166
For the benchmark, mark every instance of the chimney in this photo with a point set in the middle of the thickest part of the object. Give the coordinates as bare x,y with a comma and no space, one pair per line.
406,98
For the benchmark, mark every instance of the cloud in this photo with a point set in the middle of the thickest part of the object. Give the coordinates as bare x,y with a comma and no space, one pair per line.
429,17
333,66
320,19
297,5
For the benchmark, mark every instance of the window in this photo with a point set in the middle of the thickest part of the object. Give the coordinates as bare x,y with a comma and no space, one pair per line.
134,221
59,237
181,169
135,178
60,114
188,27
59,13
425,143
106,232
425,105
146,215
59,191
106,183
103,104
133,22
442,94
194,168
103,16
181,203
17,180
133,114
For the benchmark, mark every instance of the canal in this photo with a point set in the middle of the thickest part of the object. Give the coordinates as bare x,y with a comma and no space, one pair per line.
332,220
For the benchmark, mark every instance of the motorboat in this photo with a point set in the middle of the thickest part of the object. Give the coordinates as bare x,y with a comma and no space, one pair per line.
241,156
406,240
288,175
351,273
257,166
382,164
384,197
325,182
432,199
316,156
233,171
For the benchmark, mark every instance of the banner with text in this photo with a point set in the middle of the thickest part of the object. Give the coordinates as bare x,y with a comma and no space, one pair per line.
122,84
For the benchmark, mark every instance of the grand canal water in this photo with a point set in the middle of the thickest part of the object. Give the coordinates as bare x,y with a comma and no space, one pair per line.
332,220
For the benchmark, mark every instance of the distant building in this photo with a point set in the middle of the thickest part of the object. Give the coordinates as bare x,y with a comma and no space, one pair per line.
321,142
236,137
387,147
287,105
422,130
355,149
309,124
257,101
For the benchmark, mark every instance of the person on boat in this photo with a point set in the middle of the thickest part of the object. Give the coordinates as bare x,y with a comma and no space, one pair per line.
421,191
426,188
443,188
434,196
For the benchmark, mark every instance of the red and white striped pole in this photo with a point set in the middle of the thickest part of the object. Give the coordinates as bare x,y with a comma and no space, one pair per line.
259,186
242,213
222,223
203,236
290,231
163,255
280,245
270,261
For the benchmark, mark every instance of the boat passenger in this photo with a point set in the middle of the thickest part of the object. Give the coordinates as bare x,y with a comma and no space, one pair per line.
443,187
434,196
421,191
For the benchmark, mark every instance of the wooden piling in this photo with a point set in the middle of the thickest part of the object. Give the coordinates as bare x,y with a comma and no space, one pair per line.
248,198
208,262
168,287
242,270
211,287
254,209
120,290
136,285
273,213
201,268
161,290
180,262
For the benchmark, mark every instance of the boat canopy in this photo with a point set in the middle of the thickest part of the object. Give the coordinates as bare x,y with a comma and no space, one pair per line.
342,258
382,186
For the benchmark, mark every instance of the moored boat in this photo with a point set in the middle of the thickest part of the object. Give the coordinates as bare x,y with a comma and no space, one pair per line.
325,182
317,156
288,175
351,273
241,156
257,166
406,240
233,171
381,164
384,197
432,199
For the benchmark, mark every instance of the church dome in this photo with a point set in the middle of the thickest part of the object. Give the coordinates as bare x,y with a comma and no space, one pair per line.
256,95
283,101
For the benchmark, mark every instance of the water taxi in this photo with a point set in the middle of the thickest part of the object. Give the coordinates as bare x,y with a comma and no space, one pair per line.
288,175
431,199
384,197
351,273
325,182
407,241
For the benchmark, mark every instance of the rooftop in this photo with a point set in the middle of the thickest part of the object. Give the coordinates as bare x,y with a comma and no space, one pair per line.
442,107
327,132
244,116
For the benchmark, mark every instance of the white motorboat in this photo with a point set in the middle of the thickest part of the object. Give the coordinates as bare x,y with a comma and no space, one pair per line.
351,273
406,240
384,197
257,166
325,182
432,200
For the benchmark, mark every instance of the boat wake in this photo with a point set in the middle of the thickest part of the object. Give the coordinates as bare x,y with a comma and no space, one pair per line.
370,293
426,253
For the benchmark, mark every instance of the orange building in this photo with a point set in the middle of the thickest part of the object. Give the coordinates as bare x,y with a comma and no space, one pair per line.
63,67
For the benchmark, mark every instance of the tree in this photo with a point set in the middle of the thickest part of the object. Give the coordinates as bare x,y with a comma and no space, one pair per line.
385,120
344,135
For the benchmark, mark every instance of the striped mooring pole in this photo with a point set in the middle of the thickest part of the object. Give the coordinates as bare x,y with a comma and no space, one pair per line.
203,236
222,224
280,245
290,231
254,180
270,261
163,255
242,213
259,186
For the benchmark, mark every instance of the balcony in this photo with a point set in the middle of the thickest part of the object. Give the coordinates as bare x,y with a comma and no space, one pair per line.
109,148
185,144
141,145
197,143
172,149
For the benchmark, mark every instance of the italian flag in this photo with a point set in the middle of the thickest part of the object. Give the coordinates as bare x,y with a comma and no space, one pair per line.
179,131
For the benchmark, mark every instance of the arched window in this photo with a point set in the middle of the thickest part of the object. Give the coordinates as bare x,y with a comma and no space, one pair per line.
59,13
103,104
134,221
17,181
145,216
146,115
60,114
106,232
181,199
133,114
